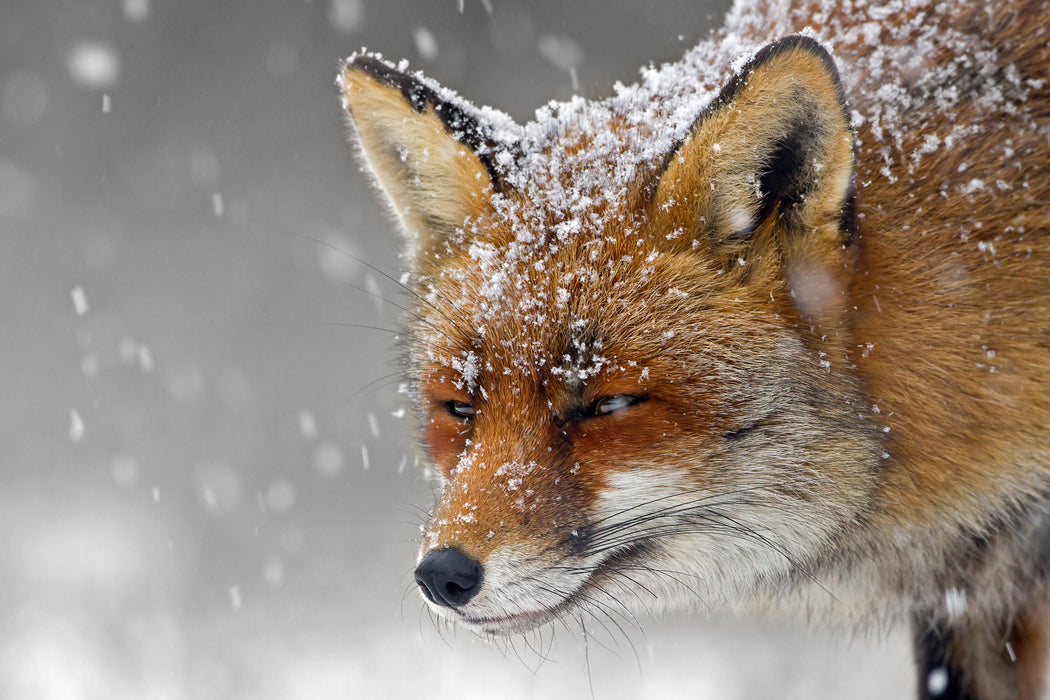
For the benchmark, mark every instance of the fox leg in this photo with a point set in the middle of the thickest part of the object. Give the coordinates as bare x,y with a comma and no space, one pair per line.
964,659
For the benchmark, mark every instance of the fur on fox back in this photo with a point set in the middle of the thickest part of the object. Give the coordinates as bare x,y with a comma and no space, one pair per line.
818,298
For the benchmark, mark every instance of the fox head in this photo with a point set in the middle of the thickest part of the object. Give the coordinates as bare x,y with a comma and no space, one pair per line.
630,350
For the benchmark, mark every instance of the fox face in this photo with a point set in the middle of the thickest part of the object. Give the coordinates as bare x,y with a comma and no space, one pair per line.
724,339
629,352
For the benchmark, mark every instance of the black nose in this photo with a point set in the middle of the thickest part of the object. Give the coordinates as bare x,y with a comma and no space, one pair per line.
448,577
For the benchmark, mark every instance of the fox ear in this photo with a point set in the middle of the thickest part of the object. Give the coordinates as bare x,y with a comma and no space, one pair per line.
772,158
435,159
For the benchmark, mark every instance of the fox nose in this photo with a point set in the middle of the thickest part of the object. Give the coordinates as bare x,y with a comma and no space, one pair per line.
448,577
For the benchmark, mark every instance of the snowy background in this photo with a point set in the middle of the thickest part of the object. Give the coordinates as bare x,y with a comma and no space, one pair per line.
207,491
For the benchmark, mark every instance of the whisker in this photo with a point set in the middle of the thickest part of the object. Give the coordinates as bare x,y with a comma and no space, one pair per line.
612,529
407,333
674,576
586,654
536,649
435,622
367,292
397,282
517,655
586,598
639,585
627,638
561,620
710,496
502,644
718,521
688,508
677,494
404,597
376,384
599,642
783,552
550,646
365,326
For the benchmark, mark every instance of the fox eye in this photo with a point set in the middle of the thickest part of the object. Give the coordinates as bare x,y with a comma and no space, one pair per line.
460,409
611,404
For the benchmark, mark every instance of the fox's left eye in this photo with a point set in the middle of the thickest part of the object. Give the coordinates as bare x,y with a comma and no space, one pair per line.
611,404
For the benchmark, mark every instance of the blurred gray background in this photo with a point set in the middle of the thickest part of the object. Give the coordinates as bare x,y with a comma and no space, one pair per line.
208,487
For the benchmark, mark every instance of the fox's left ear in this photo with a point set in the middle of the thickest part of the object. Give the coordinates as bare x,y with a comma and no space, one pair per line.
433,156
771,159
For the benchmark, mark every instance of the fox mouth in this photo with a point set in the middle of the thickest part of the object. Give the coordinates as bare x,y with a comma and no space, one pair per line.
594,585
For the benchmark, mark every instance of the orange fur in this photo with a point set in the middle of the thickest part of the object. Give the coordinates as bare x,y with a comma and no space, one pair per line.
806,340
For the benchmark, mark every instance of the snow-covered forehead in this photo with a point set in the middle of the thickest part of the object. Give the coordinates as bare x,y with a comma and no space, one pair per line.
581,158
530,303
562,306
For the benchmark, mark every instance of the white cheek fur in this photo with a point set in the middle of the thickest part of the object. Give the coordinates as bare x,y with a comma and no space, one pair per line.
709,548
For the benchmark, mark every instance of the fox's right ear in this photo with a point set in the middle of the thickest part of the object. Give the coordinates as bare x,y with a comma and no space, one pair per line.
435,158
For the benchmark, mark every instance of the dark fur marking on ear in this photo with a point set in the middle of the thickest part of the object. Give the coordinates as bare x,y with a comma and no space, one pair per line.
786,179
464,127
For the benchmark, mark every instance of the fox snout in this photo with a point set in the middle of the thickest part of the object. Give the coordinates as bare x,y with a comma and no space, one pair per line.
448,577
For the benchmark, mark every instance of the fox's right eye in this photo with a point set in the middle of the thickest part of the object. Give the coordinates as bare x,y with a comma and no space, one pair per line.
460,409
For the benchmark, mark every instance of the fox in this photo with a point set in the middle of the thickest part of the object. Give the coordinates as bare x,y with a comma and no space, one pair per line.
768,330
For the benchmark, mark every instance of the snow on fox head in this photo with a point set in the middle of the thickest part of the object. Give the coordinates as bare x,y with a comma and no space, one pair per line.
627,353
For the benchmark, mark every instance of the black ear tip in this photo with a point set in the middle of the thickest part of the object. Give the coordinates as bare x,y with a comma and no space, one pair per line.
801,42
373,65
463,121
796,42
368,63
